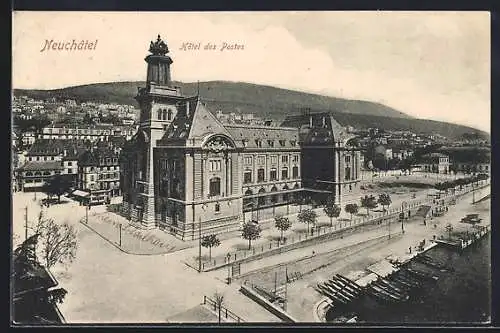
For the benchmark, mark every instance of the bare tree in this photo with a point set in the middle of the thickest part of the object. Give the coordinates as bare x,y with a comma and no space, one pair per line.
219,300
57,243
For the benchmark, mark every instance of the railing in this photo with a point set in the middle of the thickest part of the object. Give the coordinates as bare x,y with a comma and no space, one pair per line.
225,313
374,218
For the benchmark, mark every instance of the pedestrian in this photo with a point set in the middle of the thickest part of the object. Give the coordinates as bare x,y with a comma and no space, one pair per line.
409,249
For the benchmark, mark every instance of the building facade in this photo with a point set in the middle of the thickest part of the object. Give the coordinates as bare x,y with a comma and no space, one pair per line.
435,162
188,173
99,174
92,133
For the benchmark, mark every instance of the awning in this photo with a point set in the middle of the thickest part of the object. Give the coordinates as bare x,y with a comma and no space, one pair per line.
79,193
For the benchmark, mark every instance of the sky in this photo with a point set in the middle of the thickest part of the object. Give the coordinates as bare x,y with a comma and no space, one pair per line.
430,65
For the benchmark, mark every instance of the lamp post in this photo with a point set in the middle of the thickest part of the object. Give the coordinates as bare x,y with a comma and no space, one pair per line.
120,235
404,205
199,246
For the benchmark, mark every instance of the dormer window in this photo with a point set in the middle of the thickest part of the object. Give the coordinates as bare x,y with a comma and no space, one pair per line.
270,143
258,143
293,143
282,143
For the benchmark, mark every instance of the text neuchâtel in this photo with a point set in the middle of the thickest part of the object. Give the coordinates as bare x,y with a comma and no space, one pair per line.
71,45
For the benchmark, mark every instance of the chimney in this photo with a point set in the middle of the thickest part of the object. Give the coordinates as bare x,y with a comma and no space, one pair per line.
187,109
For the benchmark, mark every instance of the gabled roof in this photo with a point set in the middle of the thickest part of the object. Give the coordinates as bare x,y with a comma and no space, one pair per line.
192,125
93,157
45,165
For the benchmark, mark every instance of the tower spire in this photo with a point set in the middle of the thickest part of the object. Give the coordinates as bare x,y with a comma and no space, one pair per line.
198,89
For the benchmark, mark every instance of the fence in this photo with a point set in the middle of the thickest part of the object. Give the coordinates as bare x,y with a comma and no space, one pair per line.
375,218
225,313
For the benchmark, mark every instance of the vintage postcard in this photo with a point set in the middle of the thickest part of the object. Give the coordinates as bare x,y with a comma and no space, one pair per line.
233,168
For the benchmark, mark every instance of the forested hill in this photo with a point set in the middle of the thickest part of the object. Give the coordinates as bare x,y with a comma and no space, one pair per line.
266,102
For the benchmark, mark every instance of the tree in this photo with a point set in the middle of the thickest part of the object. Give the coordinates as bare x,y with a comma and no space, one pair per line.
282,224
57,185
210,241
406,164
351,208
385,200
368,202
332,210
449,228
308,216
393,163
57,243
251,231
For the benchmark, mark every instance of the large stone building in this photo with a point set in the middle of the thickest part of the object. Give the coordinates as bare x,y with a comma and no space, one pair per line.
187,173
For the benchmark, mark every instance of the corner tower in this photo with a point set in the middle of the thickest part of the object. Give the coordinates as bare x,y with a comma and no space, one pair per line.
158,102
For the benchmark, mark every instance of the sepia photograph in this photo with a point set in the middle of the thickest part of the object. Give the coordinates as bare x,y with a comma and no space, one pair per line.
234,168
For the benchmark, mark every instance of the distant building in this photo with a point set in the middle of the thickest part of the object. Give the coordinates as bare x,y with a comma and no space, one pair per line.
99,174
70,102
435,162
47,158
92,133
32,175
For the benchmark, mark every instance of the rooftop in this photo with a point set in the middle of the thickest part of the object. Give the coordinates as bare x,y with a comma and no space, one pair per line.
45,165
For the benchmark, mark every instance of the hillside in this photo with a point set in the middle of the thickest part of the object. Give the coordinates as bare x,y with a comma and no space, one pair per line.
266,102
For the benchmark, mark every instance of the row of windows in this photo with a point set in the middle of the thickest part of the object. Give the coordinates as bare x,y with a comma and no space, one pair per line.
270,143
74,131
108,175
36,180
273,174
39,158
107,168
214,165
164,114
274,159
40,173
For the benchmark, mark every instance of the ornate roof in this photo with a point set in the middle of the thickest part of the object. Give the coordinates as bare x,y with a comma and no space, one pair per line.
159,47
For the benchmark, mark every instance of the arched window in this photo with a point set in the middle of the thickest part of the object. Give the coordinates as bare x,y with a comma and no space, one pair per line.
247,176
38,173
273,174
214,187
262,199
260,175
29,174
164,114
248,202
284,173
169,114
274,197
295,172
159,114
